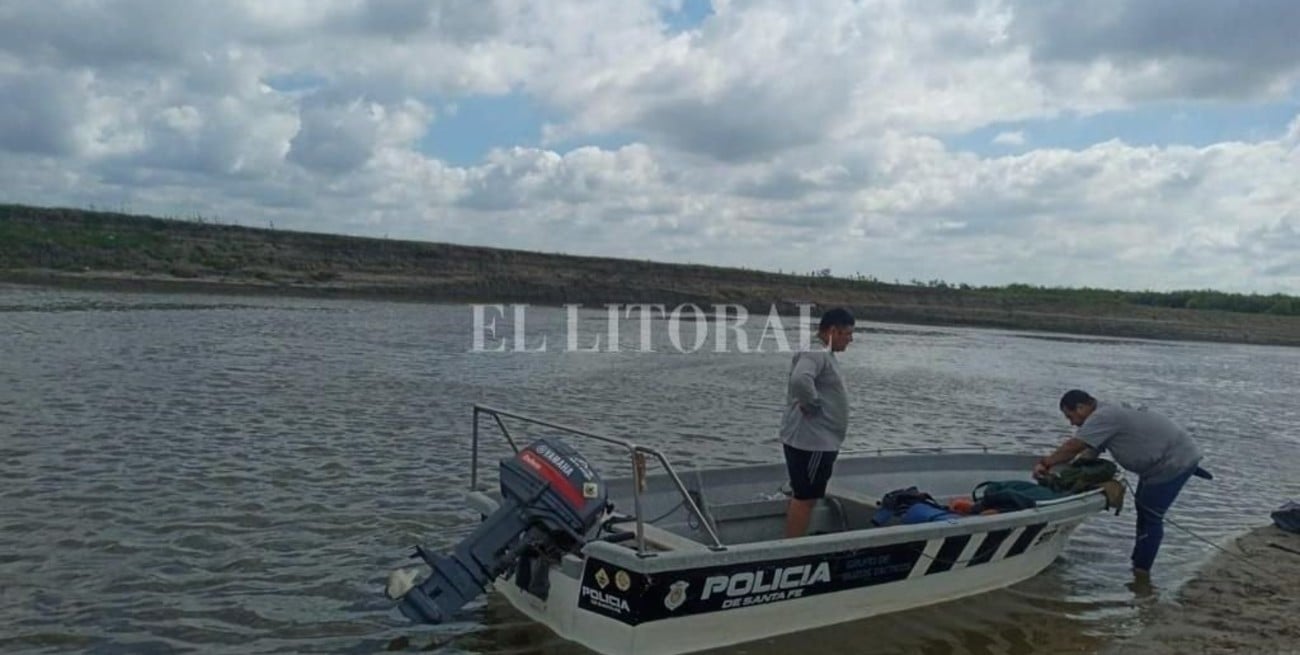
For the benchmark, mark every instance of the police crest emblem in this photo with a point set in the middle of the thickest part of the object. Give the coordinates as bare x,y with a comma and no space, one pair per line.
676,595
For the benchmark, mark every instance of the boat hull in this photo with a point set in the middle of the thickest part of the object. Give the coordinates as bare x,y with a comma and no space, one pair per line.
616,601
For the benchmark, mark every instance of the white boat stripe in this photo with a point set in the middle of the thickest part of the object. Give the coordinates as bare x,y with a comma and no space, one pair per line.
927,557
1008,543
969,551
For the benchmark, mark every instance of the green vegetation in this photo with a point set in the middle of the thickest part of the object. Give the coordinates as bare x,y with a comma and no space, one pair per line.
1208,299
105,249
1277,303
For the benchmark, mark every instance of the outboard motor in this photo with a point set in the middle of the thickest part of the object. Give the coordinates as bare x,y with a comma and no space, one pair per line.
550,500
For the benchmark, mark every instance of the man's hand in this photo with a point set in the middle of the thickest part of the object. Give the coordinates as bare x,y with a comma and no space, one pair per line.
1064,453
808,410
1040,468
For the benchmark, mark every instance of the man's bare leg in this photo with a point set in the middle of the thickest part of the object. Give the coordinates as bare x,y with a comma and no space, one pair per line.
797,516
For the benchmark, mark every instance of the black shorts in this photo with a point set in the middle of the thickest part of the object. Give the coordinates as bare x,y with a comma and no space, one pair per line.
809,470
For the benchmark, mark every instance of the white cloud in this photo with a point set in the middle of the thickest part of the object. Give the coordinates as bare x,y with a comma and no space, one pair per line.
337,136
1016,138
529,177
774,135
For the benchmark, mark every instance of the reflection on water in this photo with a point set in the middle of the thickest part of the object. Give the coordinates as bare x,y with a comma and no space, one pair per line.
238,475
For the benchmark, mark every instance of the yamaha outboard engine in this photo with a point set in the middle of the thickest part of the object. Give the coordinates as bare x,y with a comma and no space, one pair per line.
550,500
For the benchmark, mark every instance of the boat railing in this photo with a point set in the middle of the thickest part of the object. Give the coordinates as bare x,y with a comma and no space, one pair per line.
966,448
960,448
970,448
636,452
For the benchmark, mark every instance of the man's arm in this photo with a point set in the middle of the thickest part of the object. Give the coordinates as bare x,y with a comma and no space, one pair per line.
803,384
1063,453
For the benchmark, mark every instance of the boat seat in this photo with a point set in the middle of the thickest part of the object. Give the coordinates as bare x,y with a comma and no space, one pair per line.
852,495
666,540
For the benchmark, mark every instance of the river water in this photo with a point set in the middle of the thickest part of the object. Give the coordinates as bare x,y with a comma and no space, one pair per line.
200,473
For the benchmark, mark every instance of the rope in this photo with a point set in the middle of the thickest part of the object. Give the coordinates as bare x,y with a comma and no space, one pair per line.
1162,517
690,518
1136,503
665,515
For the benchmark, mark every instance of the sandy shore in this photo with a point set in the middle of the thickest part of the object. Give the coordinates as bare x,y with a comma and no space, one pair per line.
1232,606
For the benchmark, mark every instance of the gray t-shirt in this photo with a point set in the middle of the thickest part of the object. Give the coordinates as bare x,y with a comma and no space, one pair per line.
1144,442
815,382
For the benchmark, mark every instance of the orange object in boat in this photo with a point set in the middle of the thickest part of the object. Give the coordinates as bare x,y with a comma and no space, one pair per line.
961,505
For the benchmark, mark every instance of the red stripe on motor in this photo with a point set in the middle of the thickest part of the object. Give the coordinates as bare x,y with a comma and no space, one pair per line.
555,477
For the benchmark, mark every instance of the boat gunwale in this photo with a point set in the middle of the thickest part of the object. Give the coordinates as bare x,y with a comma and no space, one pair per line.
1061,510
640,479
646,560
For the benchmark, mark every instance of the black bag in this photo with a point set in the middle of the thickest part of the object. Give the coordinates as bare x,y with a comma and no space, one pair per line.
1009,495
1287,517
896,503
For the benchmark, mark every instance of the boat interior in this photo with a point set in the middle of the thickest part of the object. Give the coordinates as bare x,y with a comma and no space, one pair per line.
748,504
695,509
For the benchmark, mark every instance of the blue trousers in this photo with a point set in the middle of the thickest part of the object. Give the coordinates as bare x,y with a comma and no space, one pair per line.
1152,501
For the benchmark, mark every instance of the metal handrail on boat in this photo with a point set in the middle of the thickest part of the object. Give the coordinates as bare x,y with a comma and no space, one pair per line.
971,448
918,449
636,451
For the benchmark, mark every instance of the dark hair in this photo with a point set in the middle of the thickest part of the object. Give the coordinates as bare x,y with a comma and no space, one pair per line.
838,317
1074,397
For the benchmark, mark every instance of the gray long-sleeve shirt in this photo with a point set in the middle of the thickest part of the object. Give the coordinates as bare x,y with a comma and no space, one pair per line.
1146,443
815,383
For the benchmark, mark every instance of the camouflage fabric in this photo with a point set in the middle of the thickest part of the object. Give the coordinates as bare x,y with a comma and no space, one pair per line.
1080,476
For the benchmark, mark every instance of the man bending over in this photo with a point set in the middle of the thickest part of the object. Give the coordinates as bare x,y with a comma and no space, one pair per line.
1160,452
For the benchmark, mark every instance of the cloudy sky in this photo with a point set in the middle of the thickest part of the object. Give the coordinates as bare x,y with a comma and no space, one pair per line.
1131,145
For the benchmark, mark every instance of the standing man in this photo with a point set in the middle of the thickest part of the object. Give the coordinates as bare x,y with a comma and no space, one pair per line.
1160,452
816,417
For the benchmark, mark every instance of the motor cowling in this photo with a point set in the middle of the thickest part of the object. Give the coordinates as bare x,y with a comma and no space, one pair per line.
551,499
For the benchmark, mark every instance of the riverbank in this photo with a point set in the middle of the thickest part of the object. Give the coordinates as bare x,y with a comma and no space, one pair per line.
1135,322
100,250
1244,604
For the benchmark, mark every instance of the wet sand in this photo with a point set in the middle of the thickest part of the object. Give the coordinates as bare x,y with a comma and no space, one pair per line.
1231,606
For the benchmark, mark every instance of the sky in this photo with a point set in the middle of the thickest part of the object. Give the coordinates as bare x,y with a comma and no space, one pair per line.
1127,145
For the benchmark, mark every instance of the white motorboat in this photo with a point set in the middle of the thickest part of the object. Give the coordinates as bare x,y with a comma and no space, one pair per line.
675,562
